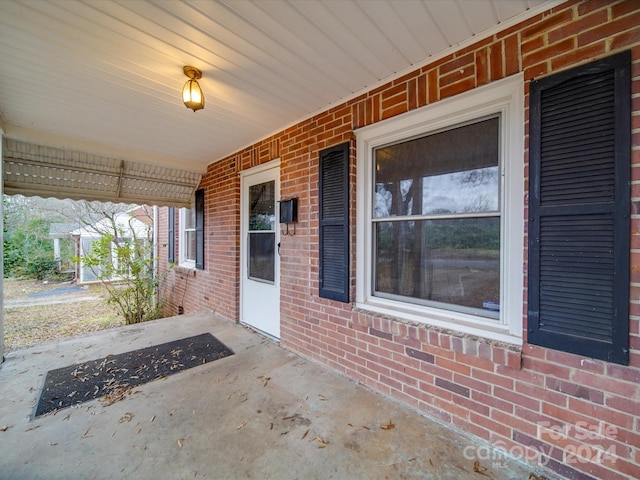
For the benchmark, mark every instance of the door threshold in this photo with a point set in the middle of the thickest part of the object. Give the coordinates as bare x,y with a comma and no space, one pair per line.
262,333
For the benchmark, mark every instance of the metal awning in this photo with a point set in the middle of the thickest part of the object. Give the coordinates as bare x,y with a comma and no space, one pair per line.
37,170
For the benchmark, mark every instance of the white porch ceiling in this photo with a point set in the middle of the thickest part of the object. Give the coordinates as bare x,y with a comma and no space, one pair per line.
104,77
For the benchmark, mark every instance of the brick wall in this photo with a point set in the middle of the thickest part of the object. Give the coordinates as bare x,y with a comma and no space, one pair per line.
532,401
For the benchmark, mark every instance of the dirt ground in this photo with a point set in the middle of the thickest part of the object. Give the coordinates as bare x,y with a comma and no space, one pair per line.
31,317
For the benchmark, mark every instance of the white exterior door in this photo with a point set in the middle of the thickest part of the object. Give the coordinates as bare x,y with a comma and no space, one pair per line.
260,235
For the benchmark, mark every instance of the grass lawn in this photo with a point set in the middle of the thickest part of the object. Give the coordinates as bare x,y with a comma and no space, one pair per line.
29,325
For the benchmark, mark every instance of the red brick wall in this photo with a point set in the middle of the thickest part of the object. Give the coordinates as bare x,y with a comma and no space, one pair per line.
502,394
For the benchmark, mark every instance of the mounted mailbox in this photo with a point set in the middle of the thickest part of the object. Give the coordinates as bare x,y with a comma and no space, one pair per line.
289,214
289,210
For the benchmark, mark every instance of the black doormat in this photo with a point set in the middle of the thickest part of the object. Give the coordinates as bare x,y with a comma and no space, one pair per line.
118,374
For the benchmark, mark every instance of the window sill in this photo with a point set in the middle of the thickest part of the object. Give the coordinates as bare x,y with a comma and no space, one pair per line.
185,271
466,324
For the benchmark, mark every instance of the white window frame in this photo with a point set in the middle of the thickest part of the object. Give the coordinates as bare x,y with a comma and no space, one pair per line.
183,261
506,98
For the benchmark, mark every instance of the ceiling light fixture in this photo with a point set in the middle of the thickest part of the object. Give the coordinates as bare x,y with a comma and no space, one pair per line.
192,95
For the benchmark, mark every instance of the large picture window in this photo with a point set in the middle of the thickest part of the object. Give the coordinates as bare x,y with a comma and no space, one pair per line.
437,219
440,237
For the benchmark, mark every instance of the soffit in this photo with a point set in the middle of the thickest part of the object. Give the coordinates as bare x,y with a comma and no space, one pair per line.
104,77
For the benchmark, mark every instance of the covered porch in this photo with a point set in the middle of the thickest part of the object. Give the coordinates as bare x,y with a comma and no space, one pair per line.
262,412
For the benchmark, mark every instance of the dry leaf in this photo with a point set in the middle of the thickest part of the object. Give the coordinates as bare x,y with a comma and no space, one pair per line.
152,418
365,427
5,428
241,425
479,468
86,434
388,426
430,462
126,417
182,440
271,426
304,434
319,439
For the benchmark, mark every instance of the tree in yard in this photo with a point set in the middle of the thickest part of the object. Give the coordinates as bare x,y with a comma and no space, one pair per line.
28,251
121,257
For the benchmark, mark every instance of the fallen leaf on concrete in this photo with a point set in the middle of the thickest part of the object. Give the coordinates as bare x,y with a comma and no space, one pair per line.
86,434
266,380
182,440
152,418
319,439
67,417
323,398
304,434
53,444
126,417
365,427
4,428
479,468
271,426
388,426
242,425
430,462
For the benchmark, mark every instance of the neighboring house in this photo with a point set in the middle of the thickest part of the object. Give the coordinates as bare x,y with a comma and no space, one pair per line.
462,240
131,225
63,246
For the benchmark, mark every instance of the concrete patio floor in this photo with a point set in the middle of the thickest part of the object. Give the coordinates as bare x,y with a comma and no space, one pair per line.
261,413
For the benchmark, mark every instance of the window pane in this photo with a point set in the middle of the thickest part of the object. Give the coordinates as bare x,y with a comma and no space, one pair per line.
262,256
190,245
190,218
450,172
262,206
450,261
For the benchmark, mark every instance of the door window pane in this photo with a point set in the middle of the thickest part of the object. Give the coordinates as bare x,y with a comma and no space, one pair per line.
262,256
262,204
262,224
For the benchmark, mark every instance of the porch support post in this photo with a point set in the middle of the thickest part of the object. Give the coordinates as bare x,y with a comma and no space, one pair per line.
2,130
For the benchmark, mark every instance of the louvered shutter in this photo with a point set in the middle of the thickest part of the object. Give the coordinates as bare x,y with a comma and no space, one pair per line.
171,237
334,223
579,196
200,229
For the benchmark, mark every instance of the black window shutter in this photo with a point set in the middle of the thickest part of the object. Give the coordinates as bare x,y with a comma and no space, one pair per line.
171,237
334,223
200,229
579,204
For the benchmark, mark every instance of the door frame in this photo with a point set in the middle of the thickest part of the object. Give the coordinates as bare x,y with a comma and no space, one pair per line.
244,217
